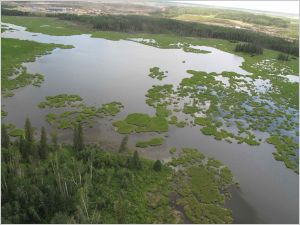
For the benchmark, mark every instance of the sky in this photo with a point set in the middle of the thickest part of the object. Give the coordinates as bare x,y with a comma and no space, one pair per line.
272,6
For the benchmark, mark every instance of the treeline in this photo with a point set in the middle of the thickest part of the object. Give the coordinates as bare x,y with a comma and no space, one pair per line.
13,12
158,25
45,182
249,48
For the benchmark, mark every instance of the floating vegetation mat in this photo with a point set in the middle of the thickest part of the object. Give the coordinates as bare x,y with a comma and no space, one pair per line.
76,111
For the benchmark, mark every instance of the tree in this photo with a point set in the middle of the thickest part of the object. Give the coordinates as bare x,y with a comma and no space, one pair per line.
4,137
78,138
54,139
28,131
123,146
249,48
136,163
157,165
43,148
29,145
283,57
22,148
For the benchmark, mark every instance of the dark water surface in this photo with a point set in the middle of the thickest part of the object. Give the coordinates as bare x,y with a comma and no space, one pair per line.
101,71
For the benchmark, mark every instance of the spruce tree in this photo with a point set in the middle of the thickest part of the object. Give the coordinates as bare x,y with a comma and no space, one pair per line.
4,137
136,163
157,165
22,147
28,131
78,138
43,148
54,139
123,146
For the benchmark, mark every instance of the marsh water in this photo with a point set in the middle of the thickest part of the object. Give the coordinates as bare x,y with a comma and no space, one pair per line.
102,70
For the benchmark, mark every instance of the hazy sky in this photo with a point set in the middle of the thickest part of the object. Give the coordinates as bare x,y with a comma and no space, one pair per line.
273,6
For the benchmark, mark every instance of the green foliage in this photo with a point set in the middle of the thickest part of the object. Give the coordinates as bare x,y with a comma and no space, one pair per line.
61,100
45,25
204,186
5,141
147,24
123,147
138,119
214,163
78,144
29,135
156,73
285,151
140,122
172,150
3,113
201,189
151,142
111,108
123,127
80,113
157,166
53,135
134,162
162,111
188,156
249,48
283,57
15,52
92,187
43,147
96,186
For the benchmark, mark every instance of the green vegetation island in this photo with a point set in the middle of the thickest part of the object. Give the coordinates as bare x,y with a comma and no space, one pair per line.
45,180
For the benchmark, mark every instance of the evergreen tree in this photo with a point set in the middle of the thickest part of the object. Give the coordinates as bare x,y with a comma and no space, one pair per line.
283,57
54,139
30,147
28,131
249,48
22,147
43,148
157,165
136,163
78,138
4,137
123,146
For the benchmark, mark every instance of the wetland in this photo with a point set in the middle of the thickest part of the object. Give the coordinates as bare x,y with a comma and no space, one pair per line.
171,96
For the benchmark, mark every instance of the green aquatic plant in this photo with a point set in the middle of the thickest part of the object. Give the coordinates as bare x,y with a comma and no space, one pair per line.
77,111
199,183
152,142
61,100
156,73
141,122
15,52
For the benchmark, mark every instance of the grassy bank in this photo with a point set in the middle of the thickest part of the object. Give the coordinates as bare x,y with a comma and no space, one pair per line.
14,53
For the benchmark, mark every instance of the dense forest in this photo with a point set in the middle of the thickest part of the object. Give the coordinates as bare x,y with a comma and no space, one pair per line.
13,12
249,48
158,25
44,182
48,183
147,24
